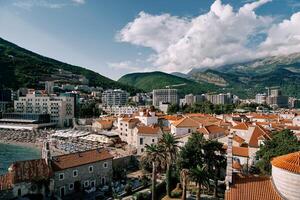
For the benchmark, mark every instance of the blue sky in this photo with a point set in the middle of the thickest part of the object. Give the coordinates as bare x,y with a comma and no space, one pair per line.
115,37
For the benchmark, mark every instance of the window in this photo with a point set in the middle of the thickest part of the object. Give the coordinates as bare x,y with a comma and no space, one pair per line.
93,183
142,149
71,186
61,176
141,141
62,191
153,140
105,165
75,173
91,169
86,183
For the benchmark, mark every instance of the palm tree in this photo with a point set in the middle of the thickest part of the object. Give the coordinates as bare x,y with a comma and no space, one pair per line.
154,155
184,178
199,174
170,148
214,159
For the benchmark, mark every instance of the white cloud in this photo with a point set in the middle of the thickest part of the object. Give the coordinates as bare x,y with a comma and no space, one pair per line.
283,38
79,1
220,36
156,32
124,65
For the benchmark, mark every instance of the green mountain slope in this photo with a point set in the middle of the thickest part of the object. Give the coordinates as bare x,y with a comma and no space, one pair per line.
157,80
23,68
247,79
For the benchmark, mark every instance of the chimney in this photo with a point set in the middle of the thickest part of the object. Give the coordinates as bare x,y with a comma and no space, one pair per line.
228,178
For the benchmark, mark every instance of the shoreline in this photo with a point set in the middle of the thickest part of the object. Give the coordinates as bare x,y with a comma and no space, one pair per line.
22,144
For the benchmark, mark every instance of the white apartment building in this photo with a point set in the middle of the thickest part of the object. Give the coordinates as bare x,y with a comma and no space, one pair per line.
165,96
139,131
120,110
60,108
114,98
220,98
261,98
147,117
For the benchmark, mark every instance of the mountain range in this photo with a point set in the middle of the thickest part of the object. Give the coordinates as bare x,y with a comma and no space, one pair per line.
242,79
23,68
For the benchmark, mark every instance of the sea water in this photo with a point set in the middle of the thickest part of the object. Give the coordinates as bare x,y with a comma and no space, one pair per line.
11,153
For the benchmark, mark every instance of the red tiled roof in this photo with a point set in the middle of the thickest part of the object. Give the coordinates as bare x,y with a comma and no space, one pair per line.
289,162
211,129
240,151
23,171
252,188
186,122
81,158
241,126
148,130
257,134
238,139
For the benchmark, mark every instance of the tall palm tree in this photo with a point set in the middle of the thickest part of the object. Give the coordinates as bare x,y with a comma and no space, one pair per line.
199,174
214,159
154,155
170,149
184,179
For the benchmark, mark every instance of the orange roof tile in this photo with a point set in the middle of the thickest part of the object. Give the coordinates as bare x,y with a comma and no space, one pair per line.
130,120
252,188
172,117
23,171
289,162
240,151
241,126
148,130
211,129
238,139
186,122
81,158
258,133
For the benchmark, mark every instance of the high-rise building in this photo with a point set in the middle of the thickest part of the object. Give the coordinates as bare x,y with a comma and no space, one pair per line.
220,98
114,98
60,108
261,98
275,98
49,85
5,100
165,96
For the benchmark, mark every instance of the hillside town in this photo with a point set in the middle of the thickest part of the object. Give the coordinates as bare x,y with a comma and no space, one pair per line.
108,144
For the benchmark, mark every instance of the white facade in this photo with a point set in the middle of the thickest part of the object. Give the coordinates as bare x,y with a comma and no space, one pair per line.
287,183
114,98
147,118
121,110
165,96
61,109
296,121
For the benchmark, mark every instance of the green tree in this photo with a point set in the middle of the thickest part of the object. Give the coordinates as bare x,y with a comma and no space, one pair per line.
173,108
170,148
199,174
282,142
215,160
192,152
154,155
